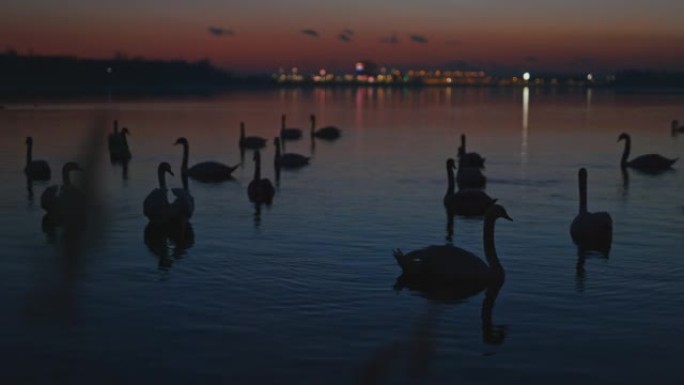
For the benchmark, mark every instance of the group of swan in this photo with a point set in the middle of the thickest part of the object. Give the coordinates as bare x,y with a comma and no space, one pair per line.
156,206
465,202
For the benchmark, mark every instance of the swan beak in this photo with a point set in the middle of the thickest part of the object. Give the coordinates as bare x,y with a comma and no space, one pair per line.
507,217
171,172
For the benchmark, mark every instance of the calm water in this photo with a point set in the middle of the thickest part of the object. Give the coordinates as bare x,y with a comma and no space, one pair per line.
303,291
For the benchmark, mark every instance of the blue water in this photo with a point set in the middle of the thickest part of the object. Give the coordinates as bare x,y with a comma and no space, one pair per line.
303,291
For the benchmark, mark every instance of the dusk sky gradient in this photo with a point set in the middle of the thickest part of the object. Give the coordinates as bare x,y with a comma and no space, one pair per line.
263,35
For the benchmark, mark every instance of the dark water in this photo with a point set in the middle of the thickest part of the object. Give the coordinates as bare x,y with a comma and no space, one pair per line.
303,291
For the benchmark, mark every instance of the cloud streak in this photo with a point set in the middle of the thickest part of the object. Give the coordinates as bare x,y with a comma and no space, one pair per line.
420,39
310,32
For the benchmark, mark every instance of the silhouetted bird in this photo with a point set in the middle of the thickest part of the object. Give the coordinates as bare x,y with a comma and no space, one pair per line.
676,128
118,146
288,160
648,162
251,142
260,190
466,202
327,132
469,177
590,231
469,159
288,133
35,169
206,171
65,204
156,206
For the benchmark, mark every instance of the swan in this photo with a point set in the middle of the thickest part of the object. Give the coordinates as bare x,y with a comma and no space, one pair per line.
459,267
288,133
118,150
590,231
260,190
327,132
156,206
206,171
35,169
288,160
676,128
64,204
113,137
467,202
469,177
251,142
648,162
469,159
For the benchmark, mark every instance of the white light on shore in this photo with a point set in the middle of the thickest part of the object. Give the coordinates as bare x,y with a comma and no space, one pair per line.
526,76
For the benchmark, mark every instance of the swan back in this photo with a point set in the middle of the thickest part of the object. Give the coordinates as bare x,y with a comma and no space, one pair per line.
260,190
35,169
590,231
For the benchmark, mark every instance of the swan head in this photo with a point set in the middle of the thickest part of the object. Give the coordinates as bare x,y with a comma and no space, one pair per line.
624,136
582,173
451,163
124,131
497,211
165,167
71,166
29,140
182,141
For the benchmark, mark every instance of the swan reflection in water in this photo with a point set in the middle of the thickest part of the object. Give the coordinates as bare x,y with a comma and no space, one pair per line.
169,243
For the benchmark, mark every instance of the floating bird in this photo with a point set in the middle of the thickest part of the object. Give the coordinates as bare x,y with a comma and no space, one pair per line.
156,206
65,204
118,146
327,132
469,177
35,169
676,128
206,171
113,138
288,160
250,142
288,133
648,162
260,190
590,231
456,266
467,202
469,159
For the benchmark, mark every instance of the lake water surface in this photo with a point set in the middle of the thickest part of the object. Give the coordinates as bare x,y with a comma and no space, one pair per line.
302,292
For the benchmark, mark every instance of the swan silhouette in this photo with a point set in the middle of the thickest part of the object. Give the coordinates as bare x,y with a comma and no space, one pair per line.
118,149
590,231
648,162
113,138
288,160
461,269
327,132
35,169
250,142
676,128
469,159
260,190
466,202
206,171
469,177
288,133
65,204
156,206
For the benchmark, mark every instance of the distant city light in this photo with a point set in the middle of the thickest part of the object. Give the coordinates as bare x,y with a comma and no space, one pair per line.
526,76
359,67
322,72
590,77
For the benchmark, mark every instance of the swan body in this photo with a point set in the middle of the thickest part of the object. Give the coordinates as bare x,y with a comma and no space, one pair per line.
65,204
250,142
35,169
288,160
467,202
676,128
156,206
327,132
469,159
209,171
470,177
118,146
260,190
288,133
448,263
590,231
648,162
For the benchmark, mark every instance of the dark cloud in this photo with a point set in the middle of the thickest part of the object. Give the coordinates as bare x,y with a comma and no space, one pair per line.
392,39
218,31
531,59
344,38
310,32
419,39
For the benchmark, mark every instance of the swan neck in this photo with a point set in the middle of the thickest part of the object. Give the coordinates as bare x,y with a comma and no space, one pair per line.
66,178
490,249
625,153
257,168
451,186
29,154
582,194
184,164
242,132
162,179
463,144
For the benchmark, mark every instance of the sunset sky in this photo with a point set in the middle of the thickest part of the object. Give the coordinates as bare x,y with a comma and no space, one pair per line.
263,35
